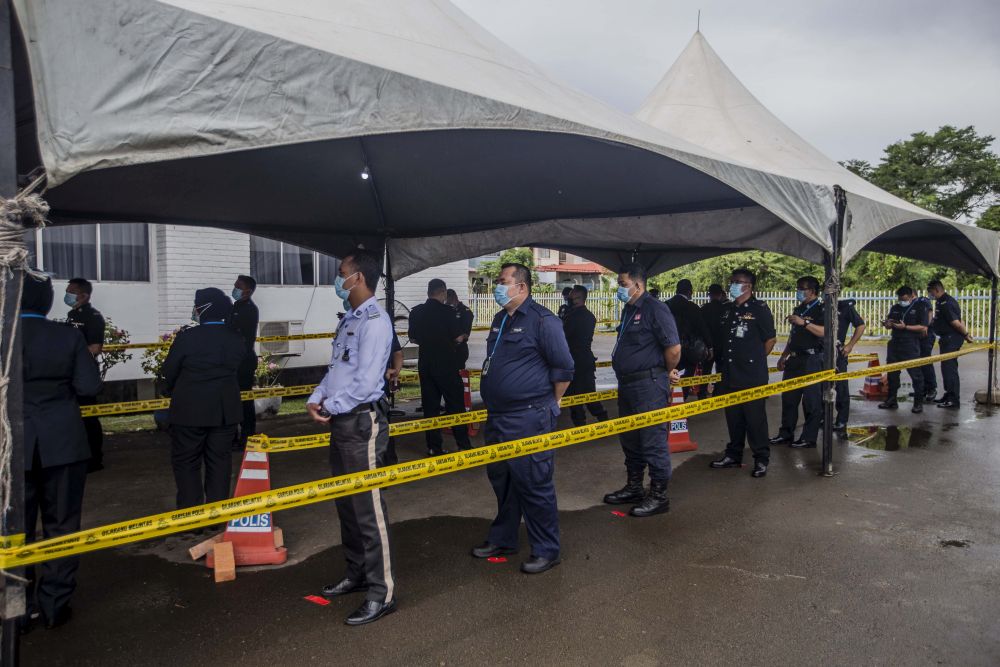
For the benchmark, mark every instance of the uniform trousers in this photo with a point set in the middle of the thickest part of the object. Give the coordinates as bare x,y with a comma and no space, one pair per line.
446,383
949,368
926,350
843,401
95,434
905,349
360,442
747,424
55,493
646,446
524,485
194,448
585,382
246,375
810,397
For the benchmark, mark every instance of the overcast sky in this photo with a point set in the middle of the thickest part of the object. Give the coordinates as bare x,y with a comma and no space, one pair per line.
850,76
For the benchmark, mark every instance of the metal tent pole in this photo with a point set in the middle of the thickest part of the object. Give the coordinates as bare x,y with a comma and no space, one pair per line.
12,591
991,372
831,294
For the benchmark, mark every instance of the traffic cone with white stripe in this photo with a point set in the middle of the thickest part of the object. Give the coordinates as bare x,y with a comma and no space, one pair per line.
876,387
679,439
467,391
253,537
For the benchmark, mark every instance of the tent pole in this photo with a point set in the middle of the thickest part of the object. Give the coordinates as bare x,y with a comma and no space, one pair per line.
831,294
12,592
390,288
991,373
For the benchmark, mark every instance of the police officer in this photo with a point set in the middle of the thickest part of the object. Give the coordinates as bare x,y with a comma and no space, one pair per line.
90,322
906,320
750,337
578,325
465,318
926,350
802,355
952,333
847,317
527,369
244,319
711,313
644,357
58,368
436,329
565,305
350,399
201,373
694,333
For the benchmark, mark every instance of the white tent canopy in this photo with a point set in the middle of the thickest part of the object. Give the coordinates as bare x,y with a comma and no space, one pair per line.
702,101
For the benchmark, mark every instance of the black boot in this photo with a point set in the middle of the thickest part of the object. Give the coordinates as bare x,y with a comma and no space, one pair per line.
632,492
655,502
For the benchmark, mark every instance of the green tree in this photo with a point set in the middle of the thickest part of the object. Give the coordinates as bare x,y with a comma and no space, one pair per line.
490,269
990,219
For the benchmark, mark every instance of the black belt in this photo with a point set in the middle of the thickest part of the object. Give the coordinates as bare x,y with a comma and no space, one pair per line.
649,373
805,352
359,409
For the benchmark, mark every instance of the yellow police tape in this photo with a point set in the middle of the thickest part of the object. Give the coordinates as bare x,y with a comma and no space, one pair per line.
201,516
260,339
130,407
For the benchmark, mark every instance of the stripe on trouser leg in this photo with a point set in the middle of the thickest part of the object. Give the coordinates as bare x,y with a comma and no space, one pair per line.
383,530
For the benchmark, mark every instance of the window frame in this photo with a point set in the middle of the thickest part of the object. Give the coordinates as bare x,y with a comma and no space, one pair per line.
40,254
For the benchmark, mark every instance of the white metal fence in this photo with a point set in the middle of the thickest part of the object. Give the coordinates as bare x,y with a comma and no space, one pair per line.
872,305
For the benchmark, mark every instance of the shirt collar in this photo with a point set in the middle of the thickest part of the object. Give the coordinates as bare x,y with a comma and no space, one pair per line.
641,300
523,308
369,301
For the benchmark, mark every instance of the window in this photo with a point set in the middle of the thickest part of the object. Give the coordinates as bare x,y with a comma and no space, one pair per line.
544,253
118,252
562,258
29,242
276,263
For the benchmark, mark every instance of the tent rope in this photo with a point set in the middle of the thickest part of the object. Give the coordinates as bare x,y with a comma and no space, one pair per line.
22,212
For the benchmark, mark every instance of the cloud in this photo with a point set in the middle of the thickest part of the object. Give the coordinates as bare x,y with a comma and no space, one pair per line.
850,76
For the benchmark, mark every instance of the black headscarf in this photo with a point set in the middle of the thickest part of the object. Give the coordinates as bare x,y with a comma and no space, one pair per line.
36,295
212,304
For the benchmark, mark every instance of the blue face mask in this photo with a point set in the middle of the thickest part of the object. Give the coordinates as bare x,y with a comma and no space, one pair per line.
70,300
338,285
500,295
623,294
237,294
347,306
903,304
800,294
735,290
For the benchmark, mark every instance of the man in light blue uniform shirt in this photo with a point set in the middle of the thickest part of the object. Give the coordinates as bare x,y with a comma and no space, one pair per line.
351,400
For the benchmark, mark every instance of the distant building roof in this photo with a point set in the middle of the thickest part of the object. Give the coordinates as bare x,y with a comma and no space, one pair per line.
578,267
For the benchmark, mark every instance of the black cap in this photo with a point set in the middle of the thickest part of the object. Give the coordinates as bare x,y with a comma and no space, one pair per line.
715,288
212,304
36,295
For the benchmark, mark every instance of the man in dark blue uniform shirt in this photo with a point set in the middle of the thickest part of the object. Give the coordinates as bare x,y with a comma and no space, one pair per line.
802,355
907,320
647,351
742,360
90,322
527,369
711,313
578,325
951,332
926,350
847,316
244,320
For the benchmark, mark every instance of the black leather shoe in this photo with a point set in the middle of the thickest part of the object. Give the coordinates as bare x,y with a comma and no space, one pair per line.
759,470
944,398
725,462
436,452
369,611
917,408
487,549
889,405
930,397
537,565
954,405
61,617
802,444
632,492
839,426
343,587
655,502
780,440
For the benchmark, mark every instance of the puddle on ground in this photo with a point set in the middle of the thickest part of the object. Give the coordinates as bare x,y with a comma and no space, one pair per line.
888,438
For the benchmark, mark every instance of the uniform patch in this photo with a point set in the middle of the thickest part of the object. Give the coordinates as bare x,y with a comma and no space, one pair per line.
375,315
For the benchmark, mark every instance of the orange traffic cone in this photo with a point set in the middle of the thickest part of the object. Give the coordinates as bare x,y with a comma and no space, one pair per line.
253,537
467,387
876,387
679,439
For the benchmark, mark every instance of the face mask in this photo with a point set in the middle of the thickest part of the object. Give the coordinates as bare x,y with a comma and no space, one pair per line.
623,294
197,311
347,306
500,295
800,294
338,285
904,304
237,294
69,300
735,290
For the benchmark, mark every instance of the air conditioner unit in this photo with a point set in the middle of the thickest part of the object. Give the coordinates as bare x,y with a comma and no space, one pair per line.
281,348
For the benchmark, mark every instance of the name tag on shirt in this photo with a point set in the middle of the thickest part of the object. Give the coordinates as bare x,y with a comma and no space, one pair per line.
741,330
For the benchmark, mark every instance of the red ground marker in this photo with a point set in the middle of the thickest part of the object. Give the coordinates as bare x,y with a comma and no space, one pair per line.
497,559
316,599
617,513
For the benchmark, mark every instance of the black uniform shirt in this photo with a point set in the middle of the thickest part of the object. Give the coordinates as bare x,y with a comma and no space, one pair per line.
712,312
947,311
244,319
800,339
525,354
847,317
89,321
743,359
465,318
647,328
912,315
578,325
434,327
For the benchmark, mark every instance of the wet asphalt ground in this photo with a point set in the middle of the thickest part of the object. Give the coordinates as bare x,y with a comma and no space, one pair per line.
895,560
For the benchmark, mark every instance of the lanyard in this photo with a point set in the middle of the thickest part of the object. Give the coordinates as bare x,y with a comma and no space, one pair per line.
625,322
903,316
32,316
499,335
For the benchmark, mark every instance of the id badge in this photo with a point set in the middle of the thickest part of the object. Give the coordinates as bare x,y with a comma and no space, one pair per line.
741,331
486,367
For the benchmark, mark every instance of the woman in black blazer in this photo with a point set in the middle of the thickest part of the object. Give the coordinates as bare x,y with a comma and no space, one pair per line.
201,377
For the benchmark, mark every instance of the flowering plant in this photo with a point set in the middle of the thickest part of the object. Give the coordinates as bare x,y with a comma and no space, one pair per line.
267,371
153,357
113,336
